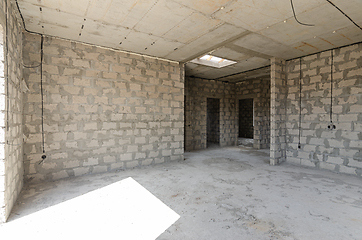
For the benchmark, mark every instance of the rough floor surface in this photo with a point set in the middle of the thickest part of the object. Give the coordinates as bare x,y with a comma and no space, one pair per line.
219,193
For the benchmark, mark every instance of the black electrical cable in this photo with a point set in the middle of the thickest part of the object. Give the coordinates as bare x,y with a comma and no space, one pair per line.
331,126
31,66
42,97
300,100
344,14
41,89
295,17
331,110
22,19
41,78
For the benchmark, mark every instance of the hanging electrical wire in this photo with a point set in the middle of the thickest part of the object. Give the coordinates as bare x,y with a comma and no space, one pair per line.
42,95
345,14
36,66
22,19
331,126
295,17
331,110
41,79
300,101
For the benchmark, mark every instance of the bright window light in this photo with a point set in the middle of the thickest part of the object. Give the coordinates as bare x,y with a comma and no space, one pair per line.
212,61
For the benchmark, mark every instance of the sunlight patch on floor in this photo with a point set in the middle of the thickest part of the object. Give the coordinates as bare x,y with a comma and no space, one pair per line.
122,210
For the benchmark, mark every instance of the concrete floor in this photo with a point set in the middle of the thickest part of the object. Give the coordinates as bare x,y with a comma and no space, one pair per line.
219,193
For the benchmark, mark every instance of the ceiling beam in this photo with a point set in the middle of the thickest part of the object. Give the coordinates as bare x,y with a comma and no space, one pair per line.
246,51
208,50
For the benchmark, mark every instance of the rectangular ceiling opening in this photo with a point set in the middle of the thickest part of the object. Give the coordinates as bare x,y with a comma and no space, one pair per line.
213,61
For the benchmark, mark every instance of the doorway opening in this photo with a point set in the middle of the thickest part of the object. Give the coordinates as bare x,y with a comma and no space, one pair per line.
246,122
213,122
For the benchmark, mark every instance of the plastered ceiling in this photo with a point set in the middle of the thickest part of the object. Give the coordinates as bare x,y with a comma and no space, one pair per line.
247,31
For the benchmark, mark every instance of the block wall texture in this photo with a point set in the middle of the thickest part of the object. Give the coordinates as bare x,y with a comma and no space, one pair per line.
340,149
103,110
259,91
246,118
213,120
11,154
196,93
278,89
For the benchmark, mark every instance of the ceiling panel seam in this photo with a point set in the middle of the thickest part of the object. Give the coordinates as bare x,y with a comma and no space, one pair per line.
133,28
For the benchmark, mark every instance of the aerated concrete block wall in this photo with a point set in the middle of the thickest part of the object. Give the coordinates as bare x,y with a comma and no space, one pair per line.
339,149
259,91
103,110
196,93
11,135
278,91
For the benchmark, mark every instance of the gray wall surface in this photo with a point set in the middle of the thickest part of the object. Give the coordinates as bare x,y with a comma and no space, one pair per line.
259,91
11,136
198,90
103,110
339,149
196,93
278,95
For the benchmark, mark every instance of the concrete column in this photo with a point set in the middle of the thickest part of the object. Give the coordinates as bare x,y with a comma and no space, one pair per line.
278,95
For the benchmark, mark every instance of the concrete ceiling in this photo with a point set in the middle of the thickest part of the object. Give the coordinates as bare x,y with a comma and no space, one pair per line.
247,31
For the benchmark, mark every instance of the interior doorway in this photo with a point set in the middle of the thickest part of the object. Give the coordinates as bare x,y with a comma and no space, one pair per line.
246,122
213,122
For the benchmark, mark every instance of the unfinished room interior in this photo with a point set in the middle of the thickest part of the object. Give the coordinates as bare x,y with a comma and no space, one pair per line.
181,119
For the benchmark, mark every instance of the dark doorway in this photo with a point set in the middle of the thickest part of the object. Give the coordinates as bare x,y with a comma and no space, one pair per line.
213,121
246,118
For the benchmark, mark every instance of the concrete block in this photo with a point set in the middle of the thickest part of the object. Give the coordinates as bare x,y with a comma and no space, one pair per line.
354,163
109,159
147,162
80,171
81,82
99,169
159,160
294,160
109,125
140,140
90,126
126,157
102,150
100,66
66,72
166,153
140,155
335,160
90,162
132,164
71,164
347,170
328,166
109,75
132,148
59,61
60,175
117,166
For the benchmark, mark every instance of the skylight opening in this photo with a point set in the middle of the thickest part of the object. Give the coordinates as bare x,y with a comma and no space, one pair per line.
213,61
